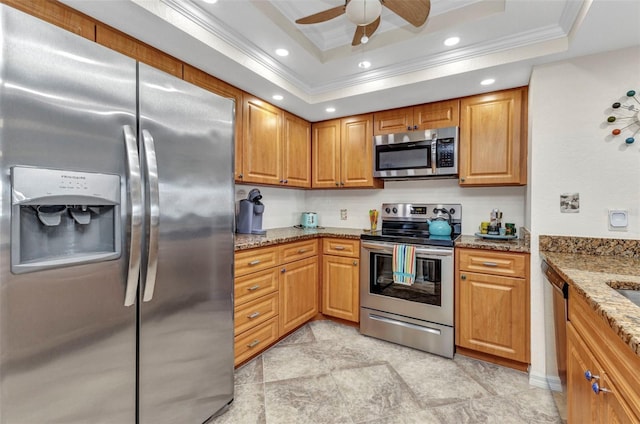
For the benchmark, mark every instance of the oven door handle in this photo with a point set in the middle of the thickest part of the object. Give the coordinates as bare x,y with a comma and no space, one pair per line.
421,252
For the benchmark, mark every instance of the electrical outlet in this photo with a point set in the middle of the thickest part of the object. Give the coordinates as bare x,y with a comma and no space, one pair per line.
618,219
343,214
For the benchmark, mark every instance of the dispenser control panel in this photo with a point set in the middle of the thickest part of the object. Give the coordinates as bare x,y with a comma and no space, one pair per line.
31,185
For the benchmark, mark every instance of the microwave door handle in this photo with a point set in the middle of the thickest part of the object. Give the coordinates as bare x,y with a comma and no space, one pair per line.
154,214
135,197
434,144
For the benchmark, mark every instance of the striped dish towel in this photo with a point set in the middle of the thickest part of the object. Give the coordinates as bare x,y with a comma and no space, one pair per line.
404,264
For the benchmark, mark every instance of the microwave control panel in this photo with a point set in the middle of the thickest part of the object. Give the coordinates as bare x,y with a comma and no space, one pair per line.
445,153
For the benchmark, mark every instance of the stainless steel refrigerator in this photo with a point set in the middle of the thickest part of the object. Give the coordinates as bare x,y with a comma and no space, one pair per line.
116,236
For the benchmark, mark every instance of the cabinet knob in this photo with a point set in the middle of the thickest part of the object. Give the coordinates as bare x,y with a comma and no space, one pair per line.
286,181
597,389
461,180
415,127
409,128
283,270
463,277
342,183
240,175
589,376
337,183
355,263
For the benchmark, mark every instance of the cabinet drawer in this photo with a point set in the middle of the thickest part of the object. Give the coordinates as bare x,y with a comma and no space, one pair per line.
341,247
491,262
253,260
255,312
298,250
255,285
255,340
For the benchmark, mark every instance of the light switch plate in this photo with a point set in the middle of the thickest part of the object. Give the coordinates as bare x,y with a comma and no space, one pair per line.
618,219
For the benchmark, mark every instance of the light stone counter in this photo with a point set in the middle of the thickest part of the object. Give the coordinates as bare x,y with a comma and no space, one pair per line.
607,262
289,234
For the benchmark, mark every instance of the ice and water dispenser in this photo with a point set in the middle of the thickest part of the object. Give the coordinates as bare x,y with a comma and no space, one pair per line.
61,218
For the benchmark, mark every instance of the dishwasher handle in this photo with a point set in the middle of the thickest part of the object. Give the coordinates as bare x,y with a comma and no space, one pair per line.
557,282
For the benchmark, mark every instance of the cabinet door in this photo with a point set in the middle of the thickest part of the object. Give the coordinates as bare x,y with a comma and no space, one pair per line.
340,287
326,154
493,139
221,88
296,151
393,121
614,408
298,293
131,47
492,315
262,142
582,403
356,149
57,14
437,115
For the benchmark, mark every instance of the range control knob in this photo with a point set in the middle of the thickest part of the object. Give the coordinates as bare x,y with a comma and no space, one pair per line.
452,211
395,210
435,210
387,210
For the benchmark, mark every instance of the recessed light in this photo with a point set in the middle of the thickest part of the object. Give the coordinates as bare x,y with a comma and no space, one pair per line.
364,64
487,81
277,97
282,52
330,109
451,41
210,1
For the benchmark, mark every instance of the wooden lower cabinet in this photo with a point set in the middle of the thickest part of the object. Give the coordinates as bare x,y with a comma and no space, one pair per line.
341,279
492,305
594,348
254,341
298,293
275,292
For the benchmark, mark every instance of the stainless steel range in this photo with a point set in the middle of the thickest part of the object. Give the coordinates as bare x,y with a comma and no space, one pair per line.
419,315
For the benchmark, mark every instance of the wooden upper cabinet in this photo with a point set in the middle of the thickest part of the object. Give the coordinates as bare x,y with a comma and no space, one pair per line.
262,142
493,139
221,88
422,117
356,148
276,146
58,14
326,154
115,40
343,153
296,143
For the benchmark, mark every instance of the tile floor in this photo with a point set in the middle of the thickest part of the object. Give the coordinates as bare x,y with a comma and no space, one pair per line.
328,373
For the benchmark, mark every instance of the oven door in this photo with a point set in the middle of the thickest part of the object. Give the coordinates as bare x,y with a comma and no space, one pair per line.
430,298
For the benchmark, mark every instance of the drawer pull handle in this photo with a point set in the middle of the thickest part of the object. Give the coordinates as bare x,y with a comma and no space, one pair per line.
254,288
256,262
339,247
254,315
254,343
491,264
302,250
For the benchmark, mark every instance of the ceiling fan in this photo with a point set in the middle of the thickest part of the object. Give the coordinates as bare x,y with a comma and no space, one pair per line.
366,15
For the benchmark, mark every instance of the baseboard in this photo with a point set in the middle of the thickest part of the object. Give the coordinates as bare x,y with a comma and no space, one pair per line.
540,380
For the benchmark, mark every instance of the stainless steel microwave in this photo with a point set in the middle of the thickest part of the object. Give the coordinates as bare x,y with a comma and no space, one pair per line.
421,154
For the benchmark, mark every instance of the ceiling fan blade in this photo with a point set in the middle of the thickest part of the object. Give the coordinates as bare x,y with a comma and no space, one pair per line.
413,11
367,30
322,16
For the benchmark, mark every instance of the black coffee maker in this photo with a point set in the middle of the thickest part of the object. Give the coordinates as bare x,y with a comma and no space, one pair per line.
249,219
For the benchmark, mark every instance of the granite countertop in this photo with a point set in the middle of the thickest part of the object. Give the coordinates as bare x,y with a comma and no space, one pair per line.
520,245
289,234
592,275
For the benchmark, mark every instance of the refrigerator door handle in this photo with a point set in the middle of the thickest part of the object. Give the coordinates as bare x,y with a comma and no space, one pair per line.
154,214
135,194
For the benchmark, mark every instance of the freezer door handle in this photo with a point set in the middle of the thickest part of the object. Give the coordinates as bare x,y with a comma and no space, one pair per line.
135,197
154,214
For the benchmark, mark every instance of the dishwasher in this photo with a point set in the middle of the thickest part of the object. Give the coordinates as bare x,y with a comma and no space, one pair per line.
557,304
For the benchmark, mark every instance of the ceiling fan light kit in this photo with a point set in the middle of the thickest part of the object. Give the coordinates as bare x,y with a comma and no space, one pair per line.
363,12
366,15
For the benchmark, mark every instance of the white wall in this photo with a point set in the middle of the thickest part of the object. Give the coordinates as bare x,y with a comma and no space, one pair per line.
283,206
571,150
